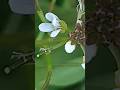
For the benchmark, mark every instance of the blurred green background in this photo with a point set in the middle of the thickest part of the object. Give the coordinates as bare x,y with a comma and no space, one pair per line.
67,73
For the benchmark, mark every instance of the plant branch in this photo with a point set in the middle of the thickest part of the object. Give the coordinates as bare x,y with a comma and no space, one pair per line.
39,11
81,13
52,5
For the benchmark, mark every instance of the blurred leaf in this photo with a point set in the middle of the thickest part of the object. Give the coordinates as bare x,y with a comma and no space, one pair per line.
69,65
65,76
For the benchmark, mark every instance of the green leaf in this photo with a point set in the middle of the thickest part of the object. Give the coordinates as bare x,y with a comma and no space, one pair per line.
65,76
69,65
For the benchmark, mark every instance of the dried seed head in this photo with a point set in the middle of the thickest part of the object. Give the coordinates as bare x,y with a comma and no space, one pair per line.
78,36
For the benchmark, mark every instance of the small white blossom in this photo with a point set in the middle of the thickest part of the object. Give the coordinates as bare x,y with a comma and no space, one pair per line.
22,6
69,48
53,27
90,51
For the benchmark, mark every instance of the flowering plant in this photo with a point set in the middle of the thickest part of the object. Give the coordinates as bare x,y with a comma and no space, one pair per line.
61,45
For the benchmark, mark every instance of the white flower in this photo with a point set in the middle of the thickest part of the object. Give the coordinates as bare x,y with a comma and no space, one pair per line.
53,27
22,6
90,51
69,48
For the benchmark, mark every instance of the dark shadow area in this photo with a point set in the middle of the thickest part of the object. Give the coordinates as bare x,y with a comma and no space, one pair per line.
16,49
102,30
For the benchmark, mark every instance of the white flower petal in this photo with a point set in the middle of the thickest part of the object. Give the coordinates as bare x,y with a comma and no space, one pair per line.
46,27
56,23
50,16
69,48
22,6
90,52
54,33
83,65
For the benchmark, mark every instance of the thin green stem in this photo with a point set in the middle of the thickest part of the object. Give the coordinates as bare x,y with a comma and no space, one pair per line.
40,15
49,73
81,13
52,5
46,83
49,63
39,11
83,48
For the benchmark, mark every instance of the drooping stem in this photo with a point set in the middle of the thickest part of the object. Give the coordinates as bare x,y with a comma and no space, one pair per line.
49,73
39,11
40,14
52,5
81,13
49,63
81,9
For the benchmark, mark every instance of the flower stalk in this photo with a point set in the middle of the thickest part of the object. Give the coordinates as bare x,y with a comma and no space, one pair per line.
81,13
48,60
52,5
39,11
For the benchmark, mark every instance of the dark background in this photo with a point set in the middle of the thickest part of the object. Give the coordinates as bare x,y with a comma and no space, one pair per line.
16,34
